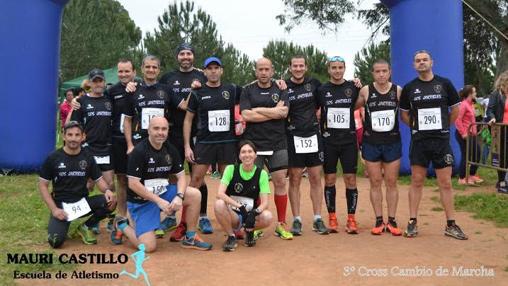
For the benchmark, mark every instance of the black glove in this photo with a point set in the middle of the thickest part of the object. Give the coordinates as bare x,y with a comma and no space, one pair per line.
243,211
250,219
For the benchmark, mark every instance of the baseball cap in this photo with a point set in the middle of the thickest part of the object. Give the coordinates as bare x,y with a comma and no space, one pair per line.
184,46
96,73
210,60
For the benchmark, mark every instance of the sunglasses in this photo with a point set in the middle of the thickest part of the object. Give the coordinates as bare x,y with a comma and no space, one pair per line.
336,59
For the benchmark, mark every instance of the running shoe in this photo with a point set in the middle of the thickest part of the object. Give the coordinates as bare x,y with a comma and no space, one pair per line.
281,232
159,233
476,179
258,234
333,224
116,233
392,228
249,239
230,244
179,233
501,187
109,225
351,226
378,229
464,182
455,232
296,228
205,226
319,227
195,243
168,224
95,228
411,230
87,234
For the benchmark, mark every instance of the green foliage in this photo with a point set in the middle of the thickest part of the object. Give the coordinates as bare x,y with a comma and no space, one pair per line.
366,57
280,52
183,23
328,14
96,34
487,206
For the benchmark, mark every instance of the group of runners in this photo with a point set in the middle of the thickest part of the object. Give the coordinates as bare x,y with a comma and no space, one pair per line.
142,131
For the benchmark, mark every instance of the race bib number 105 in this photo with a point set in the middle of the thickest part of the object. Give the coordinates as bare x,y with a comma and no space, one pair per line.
338,118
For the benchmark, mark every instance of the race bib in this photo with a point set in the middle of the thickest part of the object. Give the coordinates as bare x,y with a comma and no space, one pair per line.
429,119
122,119
76,210
338,118
156,186
149,113
218,120
306,144
264,153
248,202
382,121
101,160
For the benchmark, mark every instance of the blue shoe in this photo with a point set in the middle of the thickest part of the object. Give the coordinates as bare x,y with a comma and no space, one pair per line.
205,226
168,224
95,229
195,243
109,226
116,233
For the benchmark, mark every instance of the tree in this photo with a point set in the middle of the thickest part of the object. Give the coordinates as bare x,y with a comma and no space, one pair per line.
95,34
367,56
182,23
280,53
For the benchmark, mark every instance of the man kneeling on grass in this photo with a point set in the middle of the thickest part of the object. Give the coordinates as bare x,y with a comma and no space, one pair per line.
69,168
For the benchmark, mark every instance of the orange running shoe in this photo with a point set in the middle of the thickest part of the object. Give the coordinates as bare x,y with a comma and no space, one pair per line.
393,229
333,225
179,233
351,227
378,230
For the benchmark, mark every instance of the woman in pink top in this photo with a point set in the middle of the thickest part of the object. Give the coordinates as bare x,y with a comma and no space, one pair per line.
464,130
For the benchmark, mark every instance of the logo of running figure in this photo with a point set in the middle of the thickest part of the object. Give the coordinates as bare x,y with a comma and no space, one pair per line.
139,258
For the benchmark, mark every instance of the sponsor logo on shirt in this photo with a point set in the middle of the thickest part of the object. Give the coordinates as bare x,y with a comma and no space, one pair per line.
176,82
308,87
348,92
151,161
62,166
140,96
161,94
168,159
438,88
107,105
89,106
328,94
275,97
225,94
373,95
238,188
83,164
206,97
290,90
417,91
119,96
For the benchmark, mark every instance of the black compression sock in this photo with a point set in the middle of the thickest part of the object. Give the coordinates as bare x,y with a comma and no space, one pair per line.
379,220
204,199
450,222
330,198
352,200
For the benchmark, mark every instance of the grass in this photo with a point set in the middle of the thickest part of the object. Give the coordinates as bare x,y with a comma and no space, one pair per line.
488,206
23,222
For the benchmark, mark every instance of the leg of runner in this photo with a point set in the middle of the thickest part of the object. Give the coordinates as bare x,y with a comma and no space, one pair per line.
376,194
316,196
351,201
391,174
418,174
197,181
330,195
192,204
281,198
295,177
228,220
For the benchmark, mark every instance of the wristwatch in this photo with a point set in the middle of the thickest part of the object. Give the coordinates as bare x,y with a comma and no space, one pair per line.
180,195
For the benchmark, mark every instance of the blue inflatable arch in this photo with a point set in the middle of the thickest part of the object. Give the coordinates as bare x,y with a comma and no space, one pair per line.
30,33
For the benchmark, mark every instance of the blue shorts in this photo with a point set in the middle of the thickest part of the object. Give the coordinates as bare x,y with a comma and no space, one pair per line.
381,152
146,216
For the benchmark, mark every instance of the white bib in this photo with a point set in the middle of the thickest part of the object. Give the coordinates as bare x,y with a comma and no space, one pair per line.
76,210
306,144
102,160
382,121
248,202
156,186
149,113
122,120
429,119
218,120
338,118
264,153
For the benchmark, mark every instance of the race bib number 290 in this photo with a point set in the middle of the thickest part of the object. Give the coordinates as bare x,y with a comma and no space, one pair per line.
429,119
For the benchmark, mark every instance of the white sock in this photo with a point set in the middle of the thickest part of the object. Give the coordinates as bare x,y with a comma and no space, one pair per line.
316,217
298,218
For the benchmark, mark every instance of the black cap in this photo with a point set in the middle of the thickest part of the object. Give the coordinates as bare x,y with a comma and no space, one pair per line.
96,73
184,46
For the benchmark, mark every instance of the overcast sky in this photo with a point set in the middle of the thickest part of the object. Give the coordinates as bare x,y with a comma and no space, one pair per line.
250,25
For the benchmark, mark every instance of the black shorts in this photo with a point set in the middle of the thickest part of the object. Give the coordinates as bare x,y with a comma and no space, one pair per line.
302,160
347,152
119,155
274,162
435,150
217,153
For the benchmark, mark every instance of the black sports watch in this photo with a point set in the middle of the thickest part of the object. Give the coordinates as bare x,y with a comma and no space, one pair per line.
180,195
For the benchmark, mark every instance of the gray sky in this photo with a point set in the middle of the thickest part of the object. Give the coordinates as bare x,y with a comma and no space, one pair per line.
250,25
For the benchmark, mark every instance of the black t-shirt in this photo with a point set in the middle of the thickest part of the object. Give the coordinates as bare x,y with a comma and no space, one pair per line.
147,163
244,188
269,135
337,104
215,109
381,117
69,174
428,103
302,120
95,114
147,102
119,97
180,83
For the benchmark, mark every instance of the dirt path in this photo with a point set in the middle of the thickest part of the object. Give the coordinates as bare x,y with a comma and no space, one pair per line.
325,260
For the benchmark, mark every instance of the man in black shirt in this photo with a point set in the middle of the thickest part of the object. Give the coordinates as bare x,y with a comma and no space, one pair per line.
305,149
151,163
264,107
69,170
424,105
337,100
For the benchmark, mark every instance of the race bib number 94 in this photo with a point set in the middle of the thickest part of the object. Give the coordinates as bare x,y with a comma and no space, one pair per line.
338,118
306,144
429,119
218,120
76,210
383,121
156,186
149,113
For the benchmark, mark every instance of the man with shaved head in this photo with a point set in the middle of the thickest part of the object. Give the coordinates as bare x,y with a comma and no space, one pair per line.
150,163
264,106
